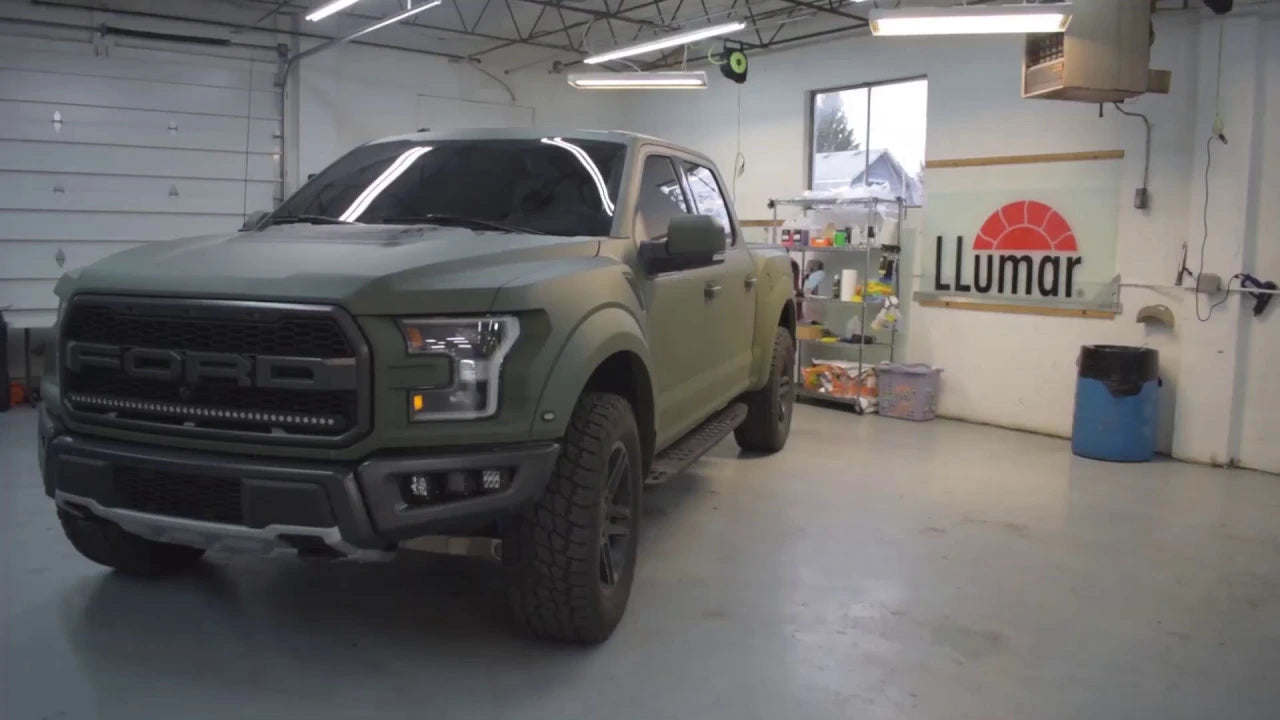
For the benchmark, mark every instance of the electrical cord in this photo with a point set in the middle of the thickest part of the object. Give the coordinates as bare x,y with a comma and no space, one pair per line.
739,160
1225,294
1215,134
1146,158
1204,239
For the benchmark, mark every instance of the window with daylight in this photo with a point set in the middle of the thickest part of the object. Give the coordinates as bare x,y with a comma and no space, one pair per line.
870,135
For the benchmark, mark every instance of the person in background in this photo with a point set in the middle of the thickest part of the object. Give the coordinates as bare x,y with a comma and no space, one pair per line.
812,312
815,277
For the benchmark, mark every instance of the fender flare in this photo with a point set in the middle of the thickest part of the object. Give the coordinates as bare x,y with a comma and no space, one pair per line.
603,333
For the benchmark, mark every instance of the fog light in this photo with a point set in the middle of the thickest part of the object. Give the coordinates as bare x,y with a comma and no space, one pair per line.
492,479
422,489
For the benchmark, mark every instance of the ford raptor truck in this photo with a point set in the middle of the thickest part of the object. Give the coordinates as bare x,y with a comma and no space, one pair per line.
472,342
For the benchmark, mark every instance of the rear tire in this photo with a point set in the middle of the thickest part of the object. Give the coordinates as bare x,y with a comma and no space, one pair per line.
572,554
108,544
768,422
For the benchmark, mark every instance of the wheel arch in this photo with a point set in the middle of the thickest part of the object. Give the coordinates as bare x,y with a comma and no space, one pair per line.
607,353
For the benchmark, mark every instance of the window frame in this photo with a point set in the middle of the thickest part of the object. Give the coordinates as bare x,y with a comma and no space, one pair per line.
677,170
810,99
724,198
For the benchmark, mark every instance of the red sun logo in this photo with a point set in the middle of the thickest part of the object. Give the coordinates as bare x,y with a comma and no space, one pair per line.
1027,226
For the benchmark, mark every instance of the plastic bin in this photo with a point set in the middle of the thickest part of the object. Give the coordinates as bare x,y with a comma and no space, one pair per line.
908,391
1117,402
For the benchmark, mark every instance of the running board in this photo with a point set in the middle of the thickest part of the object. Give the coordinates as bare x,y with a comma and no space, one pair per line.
683,452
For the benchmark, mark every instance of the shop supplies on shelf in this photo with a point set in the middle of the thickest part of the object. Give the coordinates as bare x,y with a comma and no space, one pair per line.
835,380
889,314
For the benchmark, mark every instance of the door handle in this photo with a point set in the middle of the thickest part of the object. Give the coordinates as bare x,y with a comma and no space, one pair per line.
750,282
711,289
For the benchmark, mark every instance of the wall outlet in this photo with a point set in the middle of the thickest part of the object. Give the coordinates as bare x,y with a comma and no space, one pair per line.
1208,283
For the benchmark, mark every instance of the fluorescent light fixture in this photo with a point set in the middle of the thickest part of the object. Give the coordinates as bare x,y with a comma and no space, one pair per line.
393,19
692,80
333,7
682,38
971,20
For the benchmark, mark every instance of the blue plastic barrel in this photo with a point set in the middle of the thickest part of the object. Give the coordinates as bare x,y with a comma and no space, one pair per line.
1117,399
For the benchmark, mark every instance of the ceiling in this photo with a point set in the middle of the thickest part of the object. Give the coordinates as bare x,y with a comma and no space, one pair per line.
532,35
511,35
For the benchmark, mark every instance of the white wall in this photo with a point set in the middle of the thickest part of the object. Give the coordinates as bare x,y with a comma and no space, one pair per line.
1019,371
352,94
1261,381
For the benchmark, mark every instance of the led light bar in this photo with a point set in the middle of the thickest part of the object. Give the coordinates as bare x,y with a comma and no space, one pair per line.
971,20
666,42
692,80
329,9
197,411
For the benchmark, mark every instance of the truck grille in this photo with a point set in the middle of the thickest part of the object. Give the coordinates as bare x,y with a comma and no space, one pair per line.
194,497
263,372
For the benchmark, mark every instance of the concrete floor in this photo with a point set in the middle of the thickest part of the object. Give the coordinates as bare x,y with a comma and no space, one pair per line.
874,569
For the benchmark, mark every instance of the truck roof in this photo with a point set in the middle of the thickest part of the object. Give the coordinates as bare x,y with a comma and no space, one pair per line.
629,139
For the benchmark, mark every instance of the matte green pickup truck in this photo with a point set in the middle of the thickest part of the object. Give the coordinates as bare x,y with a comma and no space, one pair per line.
481,342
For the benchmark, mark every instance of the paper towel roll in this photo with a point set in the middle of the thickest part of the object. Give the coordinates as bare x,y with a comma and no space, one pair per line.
848,284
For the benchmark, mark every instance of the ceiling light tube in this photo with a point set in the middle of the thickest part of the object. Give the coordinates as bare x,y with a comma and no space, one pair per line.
692,80
971,20
331,8
681,38
393,19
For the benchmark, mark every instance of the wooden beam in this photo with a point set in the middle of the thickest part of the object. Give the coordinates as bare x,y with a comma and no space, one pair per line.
1026,159
1016,309
760,223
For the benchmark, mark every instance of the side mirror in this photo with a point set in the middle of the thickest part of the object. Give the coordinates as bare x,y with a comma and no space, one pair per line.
254,220
692,241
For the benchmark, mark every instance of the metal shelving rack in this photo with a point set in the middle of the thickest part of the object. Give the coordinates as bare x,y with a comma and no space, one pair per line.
864,252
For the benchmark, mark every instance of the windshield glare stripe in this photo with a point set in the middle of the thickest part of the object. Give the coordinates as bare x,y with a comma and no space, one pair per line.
388,176
590,167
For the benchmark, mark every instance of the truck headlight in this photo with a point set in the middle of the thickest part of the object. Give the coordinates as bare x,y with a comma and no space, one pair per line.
476,348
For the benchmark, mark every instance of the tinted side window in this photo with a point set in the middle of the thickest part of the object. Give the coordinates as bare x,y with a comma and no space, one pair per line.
708,198
660,197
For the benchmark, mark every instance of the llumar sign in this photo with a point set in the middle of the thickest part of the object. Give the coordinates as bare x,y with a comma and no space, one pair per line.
1024,248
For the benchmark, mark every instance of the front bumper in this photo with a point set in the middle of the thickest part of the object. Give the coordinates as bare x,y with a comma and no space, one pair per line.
347,509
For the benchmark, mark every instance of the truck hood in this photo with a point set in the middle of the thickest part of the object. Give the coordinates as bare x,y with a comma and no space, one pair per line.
370,270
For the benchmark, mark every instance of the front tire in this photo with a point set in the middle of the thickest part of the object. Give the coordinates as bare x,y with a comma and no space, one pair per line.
768,422
108,544
572,554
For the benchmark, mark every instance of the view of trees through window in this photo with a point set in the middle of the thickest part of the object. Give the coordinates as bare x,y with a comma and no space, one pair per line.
871,135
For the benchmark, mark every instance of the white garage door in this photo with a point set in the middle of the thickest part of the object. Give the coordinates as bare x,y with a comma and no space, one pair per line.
106,144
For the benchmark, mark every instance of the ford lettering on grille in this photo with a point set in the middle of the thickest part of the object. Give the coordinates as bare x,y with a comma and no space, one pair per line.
260,372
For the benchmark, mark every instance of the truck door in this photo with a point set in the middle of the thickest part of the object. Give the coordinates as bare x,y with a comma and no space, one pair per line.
679,311
733,308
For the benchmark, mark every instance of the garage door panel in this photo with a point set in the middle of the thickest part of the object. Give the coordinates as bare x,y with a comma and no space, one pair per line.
37,225
233,59
145,128
153,141
28,295
39,260
167,69
115,92
78,193
52,157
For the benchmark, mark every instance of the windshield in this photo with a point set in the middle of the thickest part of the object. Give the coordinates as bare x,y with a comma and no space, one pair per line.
549,185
